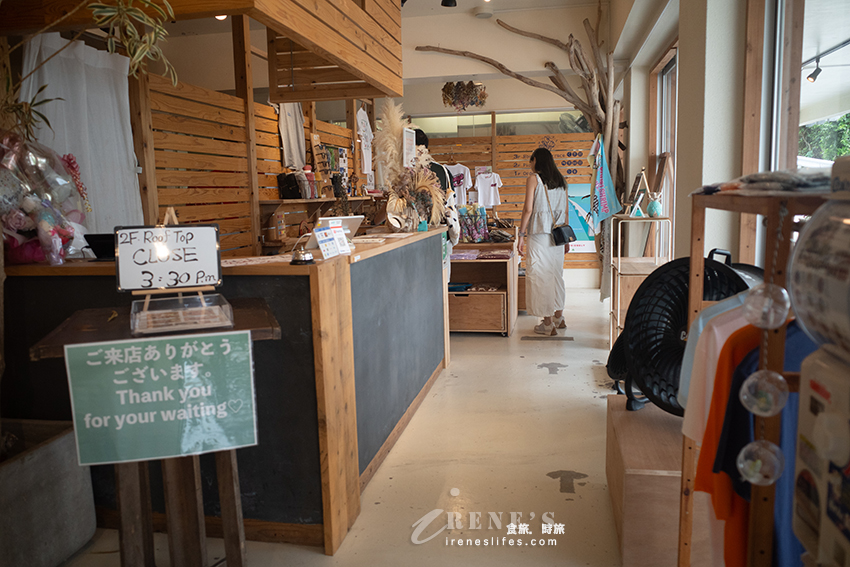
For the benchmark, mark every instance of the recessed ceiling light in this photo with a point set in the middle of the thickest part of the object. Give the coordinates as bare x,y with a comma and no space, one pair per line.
221,18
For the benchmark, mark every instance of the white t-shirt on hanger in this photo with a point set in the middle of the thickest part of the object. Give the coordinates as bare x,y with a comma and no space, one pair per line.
487,185
461,181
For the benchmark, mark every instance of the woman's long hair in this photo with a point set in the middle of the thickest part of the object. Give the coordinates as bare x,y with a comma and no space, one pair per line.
544,166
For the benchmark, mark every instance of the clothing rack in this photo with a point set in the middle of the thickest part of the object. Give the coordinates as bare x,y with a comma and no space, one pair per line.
760,537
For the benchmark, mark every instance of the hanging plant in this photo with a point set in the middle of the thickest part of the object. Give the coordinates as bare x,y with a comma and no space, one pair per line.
461,95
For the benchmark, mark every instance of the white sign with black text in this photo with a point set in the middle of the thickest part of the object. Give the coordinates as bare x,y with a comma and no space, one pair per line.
164,257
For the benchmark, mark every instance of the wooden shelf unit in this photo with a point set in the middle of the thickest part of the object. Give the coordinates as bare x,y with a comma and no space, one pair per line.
485,311
760,545
627,273
295,211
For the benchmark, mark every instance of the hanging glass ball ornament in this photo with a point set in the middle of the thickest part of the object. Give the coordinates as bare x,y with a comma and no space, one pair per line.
767,306
764,393
760,462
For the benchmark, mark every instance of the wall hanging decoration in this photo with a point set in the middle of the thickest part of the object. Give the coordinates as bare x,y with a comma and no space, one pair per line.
461,95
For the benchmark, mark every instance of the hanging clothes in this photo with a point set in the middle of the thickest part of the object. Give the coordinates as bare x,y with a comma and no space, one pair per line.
738,431
694,333
727,505
364,130
290,123
461,181
487,185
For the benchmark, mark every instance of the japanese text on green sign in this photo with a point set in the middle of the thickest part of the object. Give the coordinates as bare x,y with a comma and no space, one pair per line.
151,398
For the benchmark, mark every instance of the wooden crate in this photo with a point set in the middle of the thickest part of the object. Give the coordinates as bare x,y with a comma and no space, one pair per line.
643,465
478,311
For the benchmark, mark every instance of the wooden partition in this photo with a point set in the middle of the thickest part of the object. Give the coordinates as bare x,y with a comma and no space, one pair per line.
201,160
510,161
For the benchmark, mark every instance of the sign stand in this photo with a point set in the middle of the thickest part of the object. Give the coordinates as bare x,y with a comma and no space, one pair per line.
170,219
181,475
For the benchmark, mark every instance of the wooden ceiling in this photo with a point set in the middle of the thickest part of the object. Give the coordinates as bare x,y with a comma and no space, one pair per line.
323,49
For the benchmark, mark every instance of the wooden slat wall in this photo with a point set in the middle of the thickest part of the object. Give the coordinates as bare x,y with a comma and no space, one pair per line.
298,74
570,152
201,160
512,152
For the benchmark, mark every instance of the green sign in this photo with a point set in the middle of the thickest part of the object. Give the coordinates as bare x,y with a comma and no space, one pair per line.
146,399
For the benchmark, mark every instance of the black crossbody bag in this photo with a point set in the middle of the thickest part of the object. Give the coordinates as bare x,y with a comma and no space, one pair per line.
561,233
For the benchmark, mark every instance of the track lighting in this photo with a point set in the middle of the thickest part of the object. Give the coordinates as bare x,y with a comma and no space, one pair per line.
813,76
449,3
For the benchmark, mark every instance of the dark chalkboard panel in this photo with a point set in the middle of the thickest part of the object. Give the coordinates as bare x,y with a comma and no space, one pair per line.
397,310
280,478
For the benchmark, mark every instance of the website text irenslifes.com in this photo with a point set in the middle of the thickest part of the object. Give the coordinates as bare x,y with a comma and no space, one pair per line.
495,541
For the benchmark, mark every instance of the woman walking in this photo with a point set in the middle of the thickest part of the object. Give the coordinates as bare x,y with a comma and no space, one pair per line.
545,206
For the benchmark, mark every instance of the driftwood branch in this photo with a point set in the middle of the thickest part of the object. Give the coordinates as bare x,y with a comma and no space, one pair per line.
502,69
560,81
596,48
532,35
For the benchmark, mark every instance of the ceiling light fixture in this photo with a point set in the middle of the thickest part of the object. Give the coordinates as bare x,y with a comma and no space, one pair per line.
449,3
221,18
813,76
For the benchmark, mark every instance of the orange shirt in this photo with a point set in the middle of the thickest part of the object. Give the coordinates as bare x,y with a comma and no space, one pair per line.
728,506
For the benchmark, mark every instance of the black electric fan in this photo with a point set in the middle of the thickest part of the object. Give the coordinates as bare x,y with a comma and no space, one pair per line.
648,353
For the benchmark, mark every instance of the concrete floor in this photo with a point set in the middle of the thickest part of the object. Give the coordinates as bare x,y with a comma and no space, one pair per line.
511,426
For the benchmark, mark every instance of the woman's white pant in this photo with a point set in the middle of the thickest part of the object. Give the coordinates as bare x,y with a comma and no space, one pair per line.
545,292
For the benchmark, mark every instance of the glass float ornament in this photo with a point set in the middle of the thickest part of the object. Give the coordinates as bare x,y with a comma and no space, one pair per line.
760,462
764,393
767,306
653,209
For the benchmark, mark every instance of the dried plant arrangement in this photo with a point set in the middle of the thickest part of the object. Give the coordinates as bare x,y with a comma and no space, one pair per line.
462,95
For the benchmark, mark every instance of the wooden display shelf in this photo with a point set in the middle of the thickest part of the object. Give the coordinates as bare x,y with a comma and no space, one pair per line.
309,201
778,239
485,311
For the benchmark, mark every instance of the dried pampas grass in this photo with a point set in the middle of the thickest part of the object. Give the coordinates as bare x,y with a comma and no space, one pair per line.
389,141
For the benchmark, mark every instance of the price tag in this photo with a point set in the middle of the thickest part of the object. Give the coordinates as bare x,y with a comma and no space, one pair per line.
327,242
165,257
341,240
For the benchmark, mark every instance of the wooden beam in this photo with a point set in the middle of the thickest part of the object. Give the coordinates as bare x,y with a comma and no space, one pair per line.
143,145
789,126
343,91
30,16
340,32
245,91
751,136
330,292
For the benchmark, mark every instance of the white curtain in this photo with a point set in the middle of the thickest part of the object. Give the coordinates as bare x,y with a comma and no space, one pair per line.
92,122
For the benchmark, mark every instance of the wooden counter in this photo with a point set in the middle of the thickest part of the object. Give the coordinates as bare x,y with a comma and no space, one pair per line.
333,395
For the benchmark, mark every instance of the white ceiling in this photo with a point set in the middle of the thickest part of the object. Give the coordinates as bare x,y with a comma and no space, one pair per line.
415,8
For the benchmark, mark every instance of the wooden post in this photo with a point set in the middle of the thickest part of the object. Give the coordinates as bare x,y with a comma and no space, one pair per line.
762,498
140,120
751,136
271,41
370,110
135,536
789,127
230,496
689,452
184,510
335,393
493,140
245,91
351,123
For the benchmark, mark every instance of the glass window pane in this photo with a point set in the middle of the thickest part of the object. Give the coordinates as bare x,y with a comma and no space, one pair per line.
825,94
